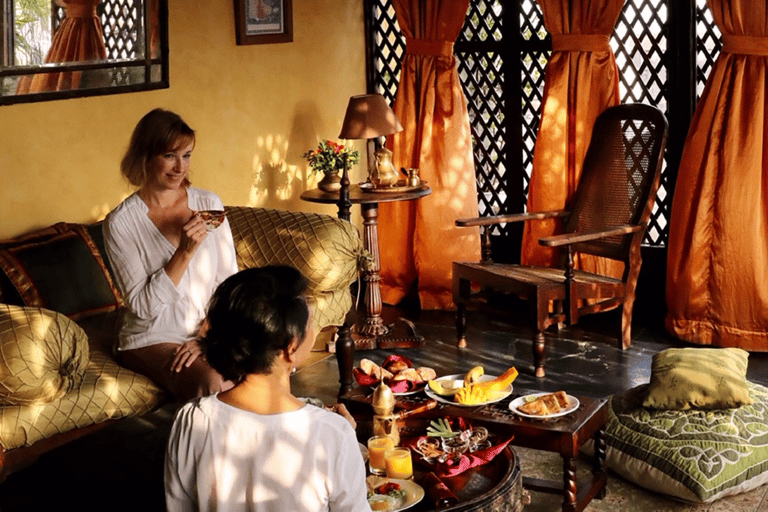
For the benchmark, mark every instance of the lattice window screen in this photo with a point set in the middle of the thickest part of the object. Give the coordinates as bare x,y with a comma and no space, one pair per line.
482,75
121,21
708,44
639,42
640,45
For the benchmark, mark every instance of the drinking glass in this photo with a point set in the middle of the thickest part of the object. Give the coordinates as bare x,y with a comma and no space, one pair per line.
377,446
399,463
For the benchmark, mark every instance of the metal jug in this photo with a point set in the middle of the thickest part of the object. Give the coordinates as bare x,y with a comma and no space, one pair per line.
383,173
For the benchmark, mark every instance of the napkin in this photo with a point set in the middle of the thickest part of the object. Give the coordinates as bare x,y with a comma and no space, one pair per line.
470,460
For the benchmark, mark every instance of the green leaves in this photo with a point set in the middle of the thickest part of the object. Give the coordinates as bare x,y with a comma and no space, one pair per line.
440,428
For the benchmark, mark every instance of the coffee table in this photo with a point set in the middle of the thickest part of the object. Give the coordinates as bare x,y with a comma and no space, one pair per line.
564,435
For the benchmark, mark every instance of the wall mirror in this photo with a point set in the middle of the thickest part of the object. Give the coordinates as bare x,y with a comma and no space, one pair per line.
74,48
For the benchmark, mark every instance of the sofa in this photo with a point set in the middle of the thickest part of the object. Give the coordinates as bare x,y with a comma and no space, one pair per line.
60,315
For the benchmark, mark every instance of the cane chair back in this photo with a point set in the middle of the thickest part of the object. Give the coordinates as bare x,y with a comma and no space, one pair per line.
607,216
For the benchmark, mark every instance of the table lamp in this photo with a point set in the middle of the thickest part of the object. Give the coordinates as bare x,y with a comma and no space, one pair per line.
369,117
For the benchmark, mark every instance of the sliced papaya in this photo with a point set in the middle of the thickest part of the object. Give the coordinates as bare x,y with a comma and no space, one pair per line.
500,382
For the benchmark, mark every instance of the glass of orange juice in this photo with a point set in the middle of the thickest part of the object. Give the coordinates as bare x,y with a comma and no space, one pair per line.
398,463
377,446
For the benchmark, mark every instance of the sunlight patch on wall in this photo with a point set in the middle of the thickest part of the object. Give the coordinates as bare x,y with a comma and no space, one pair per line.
273,177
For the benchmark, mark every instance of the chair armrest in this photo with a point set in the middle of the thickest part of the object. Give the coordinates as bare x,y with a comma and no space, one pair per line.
512,217
587,236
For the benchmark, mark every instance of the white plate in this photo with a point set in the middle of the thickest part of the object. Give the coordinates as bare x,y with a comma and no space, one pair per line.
517,402
414,493
458,380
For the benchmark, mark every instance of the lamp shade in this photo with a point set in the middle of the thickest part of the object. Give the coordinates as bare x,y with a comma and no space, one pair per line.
368,116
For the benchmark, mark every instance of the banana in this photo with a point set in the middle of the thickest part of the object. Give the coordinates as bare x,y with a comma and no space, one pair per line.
473,375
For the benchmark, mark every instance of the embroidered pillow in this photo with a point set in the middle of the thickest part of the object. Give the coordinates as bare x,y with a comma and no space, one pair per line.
698,378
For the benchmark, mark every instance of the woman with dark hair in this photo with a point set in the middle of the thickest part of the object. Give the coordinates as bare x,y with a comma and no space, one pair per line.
166,263
256,446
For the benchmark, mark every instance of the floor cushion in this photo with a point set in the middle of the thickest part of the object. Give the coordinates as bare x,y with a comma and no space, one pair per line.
694,455
698,378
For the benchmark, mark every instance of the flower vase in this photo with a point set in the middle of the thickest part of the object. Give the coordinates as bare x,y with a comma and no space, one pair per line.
331,181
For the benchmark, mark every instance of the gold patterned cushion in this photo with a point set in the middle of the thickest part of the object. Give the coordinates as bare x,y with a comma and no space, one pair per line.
698,378
108,391
43,355
325,249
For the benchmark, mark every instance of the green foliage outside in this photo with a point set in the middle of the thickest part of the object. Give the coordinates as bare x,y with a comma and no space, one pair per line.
30,18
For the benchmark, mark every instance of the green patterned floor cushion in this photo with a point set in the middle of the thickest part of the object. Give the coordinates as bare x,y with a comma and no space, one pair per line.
693,455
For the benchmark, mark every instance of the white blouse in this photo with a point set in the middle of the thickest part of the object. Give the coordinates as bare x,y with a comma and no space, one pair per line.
223,458
158,311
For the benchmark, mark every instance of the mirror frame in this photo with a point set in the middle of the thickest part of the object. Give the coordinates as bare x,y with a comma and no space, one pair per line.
146,63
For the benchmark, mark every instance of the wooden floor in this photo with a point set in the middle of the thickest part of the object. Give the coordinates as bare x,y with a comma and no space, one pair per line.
120,467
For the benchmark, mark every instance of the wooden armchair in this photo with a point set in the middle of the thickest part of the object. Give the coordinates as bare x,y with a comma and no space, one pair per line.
608,217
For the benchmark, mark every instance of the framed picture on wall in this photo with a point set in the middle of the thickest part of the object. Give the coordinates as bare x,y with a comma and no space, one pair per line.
263,21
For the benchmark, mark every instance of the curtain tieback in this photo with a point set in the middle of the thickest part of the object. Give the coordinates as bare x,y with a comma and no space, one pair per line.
81,11
746,45
429,47
580,43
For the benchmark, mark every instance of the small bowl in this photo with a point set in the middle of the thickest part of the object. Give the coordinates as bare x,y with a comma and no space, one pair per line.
211,218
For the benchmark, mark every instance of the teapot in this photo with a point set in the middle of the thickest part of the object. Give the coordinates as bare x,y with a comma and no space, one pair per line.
383,173
384,419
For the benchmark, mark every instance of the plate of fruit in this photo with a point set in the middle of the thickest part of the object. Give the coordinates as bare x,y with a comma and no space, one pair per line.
397,372
473,388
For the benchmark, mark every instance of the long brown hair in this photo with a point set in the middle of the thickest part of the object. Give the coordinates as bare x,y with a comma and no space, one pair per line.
157,132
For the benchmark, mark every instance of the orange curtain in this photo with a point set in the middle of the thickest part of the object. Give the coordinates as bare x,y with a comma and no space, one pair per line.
419,239
717,264
582,80
79,38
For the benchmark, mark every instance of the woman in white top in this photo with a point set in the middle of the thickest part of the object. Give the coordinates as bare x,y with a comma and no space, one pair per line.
166,263
256,447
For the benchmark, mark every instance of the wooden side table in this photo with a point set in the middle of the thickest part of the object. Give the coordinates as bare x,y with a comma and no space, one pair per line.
369,202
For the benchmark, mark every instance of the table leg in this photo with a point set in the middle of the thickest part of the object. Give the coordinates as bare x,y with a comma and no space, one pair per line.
374,325
569,484
598,468
345,355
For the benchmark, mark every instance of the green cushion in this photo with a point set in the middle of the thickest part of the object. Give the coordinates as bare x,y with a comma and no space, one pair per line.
701,378
693,455
63,273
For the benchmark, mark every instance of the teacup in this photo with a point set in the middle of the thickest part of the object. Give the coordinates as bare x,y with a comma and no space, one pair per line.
211,218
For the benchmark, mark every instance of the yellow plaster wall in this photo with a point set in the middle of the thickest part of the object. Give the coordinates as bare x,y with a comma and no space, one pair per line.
255,109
